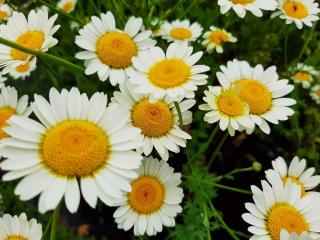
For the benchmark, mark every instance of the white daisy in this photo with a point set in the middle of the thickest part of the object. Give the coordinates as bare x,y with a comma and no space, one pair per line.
227,108
109,51
11,105
67,5
2,80
242,6
159,121
304,75
171,74
5,12
78,139
180,31
261,89
315,93
215,38
298,11
280,207
19,228
154,199
284,235
296,172
34,33
23,70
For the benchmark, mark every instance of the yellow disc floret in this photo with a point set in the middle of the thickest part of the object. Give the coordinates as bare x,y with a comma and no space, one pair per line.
242,2
3,15
16,238
296,9
154,119
5,114
296,181
255,94
147,195
116,49
75,148
32,40
181,33
68,7
230,104
23,68
169,73
219,37
302,76
283,216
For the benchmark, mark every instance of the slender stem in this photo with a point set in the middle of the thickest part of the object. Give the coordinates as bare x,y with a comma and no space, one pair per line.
56,78
56,215
176,104
206,220
39,54
286,50
306,43
217,150
46,231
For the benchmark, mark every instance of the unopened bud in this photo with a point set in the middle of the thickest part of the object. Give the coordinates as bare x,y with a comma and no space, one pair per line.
257,166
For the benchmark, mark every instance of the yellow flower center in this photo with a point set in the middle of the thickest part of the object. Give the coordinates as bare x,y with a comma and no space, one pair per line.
283,216
230,104
32,40
169,73
255,94
242,2
302,76
318,93
219,37
68,7
296,9
116,49
23,68
147,195
16,238
180,33
5,114
75,148
3,15
296,181
154,119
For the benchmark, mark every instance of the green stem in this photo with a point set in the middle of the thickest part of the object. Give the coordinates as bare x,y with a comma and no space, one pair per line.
286,50
306,43
40,54
238,170
46,231
56,215
176,104
217,150
206,220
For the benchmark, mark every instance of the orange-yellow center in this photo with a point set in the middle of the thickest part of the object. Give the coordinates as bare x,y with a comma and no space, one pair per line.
5,114
32,40
147,195
16,238
169,73
318,92
283,216
75,148
181,33
219,37
154,119
255,94
3,15
296,9
296,181
116,49
230,104
68,7
302,76
242,2
23,68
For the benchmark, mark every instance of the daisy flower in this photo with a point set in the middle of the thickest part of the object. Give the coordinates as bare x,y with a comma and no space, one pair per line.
34,33
261,90
296,172
215,38
173,74
180,31
67,5
158,121
298,11
304,75
284,235
109,51
78,139
10,105
23,70
19,228
2,80
280,207
154,200
5,12
315,93
242,6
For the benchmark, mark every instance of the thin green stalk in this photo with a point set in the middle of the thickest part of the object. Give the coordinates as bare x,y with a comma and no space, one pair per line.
48,227
55,219
206,220
176,104
217,150
238,170
39,54
286,50
306,43
56,78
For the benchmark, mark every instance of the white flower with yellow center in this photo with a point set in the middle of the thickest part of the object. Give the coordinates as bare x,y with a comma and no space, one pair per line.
315,93
284,235
298,11
296,172
2,80
23,70
5,12
180,31
242,6
172,74
158,121
261,90
304,75
227,108
215,39
67,5
34,33
19,228
280,207
10,105
153,201
79,139
109,51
